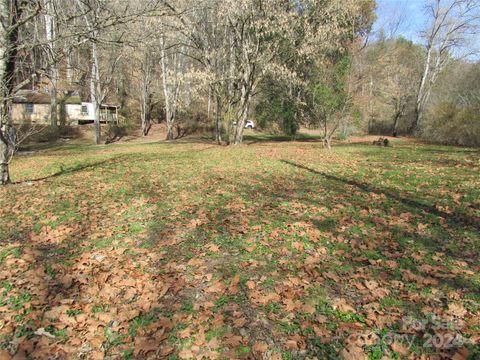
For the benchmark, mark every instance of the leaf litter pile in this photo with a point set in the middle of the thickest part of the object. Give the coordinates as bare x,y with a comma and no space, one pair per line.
265,251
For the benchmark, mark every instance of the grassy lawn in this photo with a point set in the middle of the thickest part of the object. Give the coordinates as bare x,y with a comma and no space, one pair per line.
270,250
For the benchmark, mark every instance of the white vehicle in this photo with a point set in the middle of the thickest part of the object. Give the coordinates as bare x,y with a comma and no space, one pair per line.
249,124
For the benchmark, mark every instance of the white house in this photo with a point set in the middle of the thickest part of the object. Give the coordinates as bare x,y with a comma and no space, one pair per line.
34,107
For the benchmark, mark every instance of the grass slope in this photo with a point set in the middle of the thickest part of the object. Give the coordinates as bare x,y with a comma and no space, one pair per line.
268,250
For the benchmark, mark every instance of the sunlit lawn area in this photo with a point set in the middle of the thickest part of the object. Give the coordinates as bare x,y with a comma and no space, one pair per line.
273,249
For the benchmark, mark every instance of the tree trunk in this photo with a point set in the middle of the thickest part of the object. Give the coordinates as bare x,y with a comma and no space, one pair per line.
327,143
4,116
62,116
413,128
10,12
69,67
370,106
166,90
218,129
394,127
246,99
327,135
4,170
146,115
170,122
209,104
53,105
53,71
146,98
98,134
421,99
399,110
95,92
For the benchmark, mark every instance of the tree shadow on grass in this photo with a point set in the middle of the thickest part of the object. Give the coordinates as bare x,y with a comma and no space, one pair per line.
449,150
205,140
266,249
435,243
66,170
86,287
205,274
457,219
263,138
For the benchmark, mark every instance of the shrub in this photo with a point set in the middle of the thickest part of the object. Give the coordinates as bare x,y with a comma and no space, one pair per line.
115,132
193,122
450,124
342,136
46,135
277,114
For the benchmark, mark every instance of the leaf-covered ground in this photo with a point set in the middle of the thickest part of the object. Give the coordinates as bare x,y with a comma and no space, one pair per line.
270,250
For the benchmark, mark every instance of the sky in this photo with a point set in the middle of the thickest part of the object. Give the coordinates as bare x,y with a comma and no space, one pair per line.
407,18
410,15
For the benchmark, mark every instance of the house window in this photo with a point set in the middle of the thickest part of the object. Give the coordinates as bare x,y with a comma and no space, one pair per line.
29,109
84,110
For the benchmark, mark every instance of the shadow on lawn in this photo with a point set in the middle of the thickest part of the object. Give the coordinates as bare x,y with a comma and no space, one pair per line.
449,150
230,228
193,270
77,296
77,168
260,138
435,243
457,219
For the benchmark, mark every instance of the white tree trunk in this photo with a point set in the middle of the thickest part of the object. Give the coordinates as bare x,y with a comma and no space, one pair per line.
245,110
421,98
53,67
5,88
246,98
171,88
166,92
209,105
95,92
69,68
218,128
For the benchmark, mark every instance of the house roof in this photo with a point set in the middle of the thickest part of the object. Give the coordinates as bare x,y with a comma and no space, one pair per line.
72,99
37,97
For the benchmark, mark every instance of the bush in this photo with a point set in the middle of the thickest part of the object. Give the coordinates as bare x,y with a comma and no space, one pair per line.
384,126
276,113
342,136
192,122
46,135
115,132
289,123
450,124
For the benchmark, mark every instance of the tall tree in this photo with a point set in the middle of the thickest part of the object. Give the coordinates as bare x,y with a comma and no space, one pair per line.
92,11
383,89
453,25
20,29
52,57
171,61
14,14
100,16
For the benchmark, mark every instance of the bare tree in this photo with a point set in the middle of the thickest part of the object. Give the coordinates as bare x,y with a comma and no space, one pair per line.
91,14
14,14
51,37
147,78
453,24
100,16
83,21
171,62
